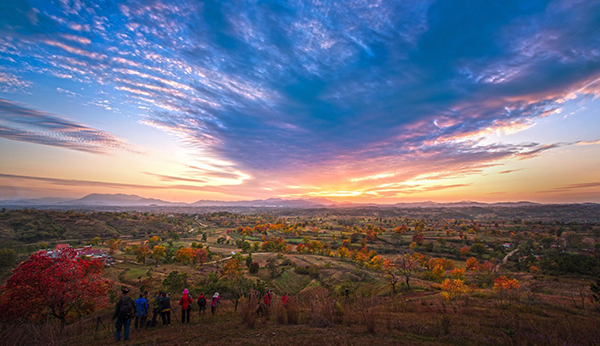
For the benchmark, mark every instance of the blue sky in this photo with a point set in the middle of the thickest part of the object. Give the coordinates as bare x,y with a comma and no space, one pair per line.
353,100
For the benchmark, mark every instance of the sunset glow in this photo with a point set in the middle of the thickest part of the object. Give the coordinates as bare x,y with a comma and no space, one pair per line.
363,101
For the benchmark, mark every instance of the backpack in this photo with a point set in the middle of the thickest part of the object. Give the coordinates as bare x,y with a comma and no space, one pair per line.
126,310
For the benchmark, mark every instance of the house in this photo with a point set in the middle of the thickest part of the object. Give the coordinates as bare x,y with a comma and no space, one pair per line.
87,251
507,245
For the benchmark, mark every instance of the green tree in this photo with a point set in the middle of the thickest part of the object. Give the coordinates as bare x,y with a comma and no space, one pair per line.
8,258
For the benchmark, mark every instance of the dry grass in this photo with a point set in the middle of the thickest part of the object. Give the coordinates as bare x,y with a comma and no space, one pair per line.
248,312
320,319
292,311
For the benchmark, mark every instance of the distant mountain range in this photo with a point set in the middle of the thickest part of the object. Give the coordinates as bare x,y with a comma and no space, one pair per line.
123,200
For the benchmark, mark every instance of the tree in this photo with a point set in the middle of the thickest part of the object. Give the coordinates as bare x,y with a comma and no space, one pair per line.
272,266
113,245
472,263
344,253
254,268
478,248
452,289
175,281
201,256
141,253
437,273
507,288
232,269
96,241
595,288
300,248
158,253
418,238
8,258
376,262
153,241
464,251
185,255
406,265
42,286
458,273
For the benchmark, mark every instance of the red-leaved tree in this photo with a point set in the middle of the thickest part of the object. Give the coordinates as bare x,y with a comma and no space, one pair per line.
44,286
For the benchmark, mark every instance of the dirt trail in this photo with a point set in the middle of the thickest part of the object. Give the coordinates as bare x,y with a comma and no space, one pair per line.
505,259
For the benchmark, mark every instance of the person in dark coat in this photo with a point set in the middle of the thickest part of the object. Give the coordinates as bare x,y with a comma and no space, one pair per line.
201,304
124,311
165,309
156,306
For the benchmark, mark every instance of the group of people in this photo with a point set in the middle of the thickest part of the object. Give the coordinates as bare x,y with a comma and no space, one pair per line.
127,309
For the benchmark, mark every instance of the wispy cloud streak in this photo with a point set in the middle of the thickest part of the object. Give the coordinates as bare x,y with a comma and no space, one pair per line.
28,125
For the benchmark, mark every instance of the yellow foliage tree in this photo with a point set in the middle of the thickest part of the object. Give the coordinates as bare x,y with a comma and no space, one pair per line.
458,273
158,253
452,289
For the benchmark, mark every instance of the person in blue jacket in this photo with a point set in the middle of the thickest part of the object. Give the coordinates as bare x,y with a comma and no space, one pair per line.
141,305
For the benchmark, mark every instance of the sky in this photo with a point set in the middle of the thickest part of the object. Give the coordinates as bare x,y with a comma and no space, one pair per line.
359,101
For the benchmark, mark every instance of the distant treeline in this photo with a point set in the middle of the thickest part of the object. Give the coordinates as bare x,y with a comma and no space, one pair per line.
566,263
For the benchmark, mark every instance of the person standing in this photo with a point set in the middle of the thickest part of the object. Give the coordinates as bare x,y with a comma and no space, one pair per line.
156,306
186,302
285,299
124,311
267,298
165,309
201,304
215,300
141,306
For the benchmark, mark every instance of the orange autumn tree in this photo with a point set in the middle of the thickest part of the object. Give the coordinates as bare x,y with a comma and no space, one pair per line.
458,273
507,288
452,289
472,263
185,255
232,269
60,287
344,253
142,253
301,248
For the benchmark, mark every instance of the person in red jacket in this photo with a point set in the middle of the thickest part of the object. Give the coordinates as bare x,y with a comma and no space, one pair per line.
186,302
285,299
215,301
267,298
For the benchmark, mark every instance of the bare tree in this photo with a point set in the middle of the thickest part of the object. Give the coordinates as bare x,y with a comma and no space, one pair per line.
406,266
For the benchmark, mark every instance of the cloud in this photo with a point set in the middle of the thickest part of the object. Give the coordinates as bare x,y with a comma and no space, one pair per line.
109,185
588,142
10,83
510,171
588,185
371,93
28,125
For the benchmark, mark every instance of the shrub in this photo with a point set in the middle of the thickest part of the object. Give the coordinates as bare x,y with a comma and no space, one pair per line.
507,288
254,267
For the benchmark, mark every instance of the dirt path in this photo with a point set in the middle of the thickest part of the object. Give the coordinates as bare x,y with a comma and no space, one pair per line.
505,259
